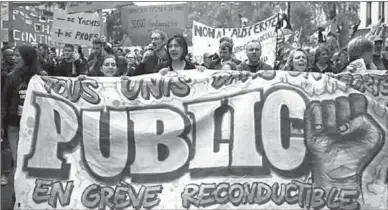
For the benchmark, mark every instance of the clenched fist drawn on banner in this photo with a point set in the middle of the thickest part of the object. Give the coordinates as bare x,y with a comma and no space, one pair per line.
342,139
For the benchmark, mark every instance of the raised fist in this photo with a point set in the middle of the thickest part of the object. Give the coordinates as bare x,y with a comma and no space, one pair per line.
164,71
342,139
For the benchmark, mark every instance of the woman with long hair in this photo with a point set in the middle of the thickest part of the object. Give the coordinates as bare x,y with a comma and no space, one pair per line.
177,50
14,94
298,60
322,61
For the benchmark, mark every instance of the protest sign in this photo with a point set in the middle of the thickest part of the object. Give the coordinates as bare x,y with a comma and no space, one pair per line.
157,142
206,39
29,26
138,22
83,6
80,28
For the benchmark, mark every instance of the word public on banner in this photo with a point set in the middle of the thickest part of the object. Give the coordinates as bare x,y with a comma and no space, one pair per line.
80,28
218,139
206,39
29,27
83,6
138,22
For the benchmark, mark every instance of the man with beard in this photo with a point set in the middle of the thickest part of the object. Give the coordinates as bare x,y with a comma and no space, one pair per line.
95,59
70,65
253,52
154,55
378,60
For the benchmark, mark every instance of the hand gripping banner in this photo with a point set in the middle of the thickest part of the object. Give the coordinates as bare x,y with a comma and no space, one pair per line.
211,140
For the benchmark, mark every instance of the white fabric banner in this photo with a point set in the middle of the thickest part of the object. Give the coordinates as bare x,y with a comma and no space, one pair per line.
211,140
206,39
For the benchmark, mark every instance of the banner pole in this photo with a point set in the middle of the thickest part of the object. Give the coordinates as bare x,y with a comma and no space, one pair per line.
277,45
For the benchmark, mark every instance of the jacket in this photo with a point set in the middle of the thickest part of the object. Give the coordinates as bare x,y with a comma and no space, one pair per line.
216,64
149,66
64,68
244,66
10,97
188,66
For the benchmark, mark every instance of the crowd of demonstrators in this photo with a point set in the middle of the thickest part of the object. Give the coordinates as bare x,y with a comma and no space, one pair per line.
163,54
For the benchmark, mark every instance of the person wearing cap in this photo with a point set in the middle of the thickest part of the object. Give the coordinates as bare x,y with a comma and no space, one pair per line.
378,60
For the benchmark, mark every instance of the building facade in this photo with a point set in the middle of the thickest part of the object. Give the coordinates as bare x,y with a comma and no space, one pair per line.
371,12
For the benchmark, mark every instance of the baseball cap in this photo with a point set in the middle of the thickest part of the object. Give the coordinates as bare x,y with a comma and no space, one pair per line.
375,38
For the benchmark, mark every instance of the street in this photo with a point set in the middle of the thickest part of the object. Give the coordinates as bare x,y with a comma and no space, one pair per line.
6,195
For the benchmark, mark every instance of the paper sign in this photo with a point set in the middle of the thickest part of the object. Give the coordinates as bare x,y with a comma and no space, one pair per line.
83,6
80,28
214,140
206,39
138,22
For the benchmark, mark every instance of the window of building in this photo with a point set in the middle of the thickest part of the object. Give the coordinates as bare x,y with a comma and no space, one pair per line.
381,9
368,13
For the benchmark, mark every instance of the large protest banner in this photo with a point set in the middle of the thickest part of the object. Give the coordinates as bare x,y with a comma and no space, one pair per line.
292,140
80,28
206,39
139,22
29,26
89,6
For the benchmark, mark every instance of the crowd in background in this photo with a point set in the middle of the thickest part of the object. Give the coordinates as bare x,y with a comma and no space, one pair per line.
21,63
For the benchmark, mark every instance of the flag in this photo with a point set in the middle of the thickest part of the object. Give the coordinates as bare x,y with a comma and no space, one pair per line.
297,38
283,22
321,36
376,28
243,21
354,29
